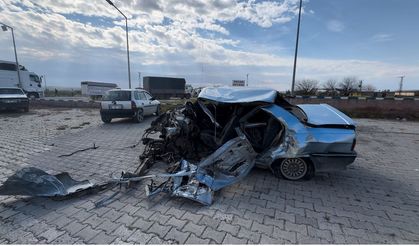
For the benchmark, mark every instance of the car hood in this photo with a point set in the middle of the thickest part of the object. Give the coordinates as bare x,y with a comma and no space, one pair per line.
12,96
238,95
324,114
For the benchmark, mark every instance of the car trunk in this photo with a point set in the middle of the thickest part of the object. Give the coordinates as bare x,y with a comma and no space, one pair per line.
326,115
117,100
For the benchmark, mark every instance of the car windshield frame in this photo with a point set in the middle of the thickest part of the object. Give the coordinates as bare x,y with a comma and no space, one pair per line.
117,96
11,91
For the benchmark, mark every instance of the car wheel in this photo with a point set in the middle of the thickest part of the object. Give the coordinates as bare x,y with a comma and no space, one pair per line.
139,116
33,95
292,169
106,119
158,110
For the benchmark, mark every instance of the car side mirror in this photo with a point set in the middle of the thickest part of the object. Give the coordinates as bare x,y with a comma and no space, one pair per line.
152,99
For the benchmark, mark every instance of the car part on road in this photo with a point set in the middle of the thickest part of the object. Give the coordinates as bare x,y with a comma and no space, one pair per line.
32,181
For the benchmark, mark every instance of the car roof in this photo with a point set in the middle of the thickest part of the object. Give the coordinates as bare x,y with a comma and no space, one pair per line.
127,90
229,94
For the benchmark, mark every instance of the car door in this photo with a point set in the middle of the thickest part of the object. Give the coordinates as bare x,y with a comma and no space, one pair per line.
140,101
152,103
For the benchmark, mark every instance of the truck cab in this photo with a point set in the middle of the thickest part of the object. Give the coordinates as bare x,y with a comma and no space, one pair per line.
30,82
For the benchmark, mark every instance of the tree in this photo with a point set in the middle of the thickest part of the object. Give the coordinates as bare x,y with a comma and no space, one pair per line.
330,86
348,85
307,87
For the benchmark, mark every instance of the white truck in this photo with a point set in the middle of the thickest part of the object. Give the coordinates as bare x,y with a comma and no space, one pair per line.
30,82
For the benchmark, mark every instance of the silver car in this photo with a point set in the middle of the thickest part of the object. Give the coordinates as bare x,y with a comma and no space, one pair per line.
128,103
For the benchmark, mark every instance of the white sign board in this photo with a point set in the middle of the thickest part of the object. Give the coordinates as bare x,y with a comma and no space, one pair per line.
238,83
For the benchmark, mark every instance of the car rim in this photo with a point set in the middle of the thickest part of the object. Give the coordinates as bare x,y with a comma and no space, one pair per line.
294,168
140,116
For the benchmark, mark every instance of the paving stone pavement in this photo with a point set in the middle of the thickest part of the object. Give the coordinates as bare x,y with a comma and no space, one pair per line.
375,201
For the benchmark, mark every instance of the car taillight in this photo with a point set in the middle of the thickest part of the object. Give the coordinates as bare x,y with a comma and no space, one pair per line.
353,144
133,105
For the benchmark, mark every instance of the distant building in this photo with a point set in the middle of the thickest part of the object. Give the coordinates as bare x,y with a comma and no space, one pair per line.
90,88
414,93
238,83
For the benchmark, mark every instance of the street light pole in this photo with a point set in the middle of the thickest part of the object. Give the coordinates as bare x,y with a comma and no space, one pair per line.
126,32
247,79
4,27
296,49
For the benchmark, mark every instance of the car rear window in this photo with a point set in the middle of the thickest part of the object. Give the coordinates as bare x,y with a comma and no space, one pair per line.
117,96
4,91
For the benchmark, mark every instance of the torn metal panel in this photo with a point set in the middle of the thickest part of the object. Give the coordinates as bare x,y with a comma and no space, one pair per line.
32,181
226,166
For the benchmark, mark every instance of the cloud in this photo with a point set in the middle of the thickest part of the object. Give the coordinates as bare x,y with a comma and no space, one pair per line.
382,37
168,37
335,26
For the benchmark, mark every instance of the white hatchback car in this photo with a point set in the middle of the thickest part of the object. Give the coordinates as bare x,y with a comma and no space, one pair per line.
128,103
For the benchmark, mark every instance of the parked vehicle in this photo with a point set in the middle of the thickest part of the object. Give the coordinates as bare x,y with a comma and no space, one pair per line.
30,82
13,99
165,87
128,103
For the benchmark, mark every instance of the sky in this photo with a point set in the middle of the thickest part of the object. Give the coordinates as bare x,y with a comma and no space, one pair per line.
215,42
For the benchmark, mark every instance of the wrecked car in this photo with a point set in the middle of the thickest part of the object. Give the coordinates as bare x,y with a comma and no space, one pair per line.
293,141
215,142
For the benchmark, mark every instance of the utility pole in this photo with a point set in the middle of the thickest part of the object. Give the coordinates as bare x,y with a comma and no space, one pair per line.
247,79
401,85
4,27
296,49
126,32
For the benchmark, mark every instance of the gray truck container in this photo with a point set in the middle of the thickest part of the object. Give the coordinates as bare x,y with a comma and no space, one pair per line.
165,87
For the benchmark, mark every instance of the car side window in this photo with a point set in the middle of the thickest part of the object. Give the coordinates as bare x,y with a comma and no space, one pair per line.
142,96
136,96
148,96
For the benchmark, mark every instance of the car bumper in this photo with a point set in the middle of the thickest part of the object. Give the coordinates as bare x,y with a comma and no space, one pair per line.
118,113
331,162
14,105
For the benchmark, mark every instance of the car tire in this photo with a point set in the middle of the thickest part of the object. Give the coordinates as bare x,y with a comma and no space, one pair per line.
106,119
139,116
293,169
158,110
33,95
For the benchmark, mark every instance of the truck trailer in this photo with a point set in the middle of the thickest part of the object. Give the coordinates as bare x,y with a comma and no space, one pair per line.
165,87
30,82
96,89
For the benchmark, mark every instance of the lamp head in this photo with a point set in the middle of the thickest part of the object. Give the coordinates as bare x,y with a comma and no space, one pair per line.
4,27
